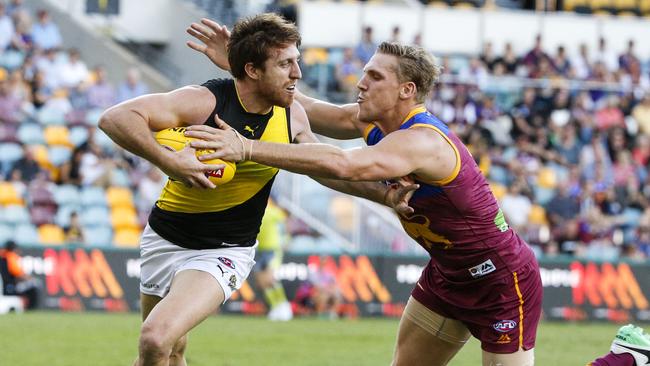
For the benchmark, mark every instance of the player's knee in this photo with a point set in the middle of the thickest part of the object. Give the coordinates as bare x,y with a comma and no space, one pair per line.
179,348
153,341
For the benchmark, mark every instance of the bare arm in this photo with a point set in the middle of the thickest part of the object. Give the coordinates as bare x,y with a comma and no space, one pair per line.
130,125
327,119
401,153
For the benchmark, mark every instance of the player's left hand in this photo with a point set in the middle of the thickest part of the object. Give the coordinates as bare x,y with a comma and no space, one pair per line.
226,142
214,37
399,195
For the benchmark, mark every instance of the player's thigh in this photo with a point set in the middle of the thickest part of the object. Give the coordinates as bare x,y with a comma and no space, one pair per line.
519,358
427,338
147,303
193,296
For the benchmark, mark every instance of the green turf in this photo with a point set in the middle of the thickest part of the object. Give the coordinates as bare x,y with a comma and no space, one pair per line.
95,339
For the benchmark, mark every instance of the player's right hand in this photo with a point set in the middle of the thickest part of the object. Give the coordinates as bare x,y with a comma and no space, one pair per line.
184,167
214,37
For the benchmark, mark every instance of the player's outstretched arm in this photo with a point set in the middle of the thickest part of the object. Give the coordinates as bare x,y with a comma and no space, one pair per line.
130,125
336,121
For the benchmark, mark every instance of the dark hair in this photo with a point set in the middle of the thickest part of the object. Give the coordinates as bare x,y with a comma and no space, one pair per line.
253,37
10,245
414,64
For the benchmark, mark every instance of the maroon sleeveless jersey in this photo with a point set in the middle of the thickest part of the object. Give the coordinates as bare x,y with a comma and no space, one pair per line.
458,220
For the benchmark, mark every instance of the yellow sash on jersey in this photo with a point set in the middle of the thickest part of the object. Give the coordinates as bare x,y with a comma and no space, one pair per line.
249,178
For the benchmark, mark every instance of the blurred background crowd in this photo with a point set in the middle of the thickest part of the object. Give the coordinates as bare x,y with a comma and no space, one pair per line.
563,138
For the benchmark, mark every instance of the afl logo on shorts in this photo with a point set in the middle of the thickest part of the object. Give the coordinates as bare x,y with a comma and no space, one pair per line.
227,262
505,326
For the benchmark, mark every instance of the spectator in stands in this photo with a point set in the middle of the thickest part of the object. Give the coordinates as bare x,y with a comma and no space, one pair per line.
41,92
131,87
347,73
395,34
10,104
626,59
20,89
561,62
487,56
45,33
73,70
73,231
366,48
69,172
26,166
149,188
22,40
101,93
15,6
606,56
581,63
516,206
533,57
509,59
15,280
641,114
47,62
6,28
320,294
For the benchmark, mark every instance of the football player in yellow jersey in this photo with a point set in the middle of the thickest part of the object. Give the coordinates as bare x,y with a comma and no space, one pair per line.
200,242
268,258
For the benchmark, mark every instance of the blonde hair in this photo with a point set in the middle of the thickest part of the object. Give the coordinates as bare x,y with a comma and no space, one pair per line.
414,64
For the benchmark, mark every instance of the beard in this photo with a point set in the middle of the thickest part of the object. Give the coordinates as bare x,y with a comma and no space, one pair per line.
276,95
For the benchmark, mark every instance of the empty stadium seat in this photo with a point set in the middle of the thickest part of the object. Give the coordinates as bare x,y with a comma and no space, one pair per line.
59,155
98,236
129,238
498,190
50,117
40,154
10,152
6,233
93,196
95,216
546,178
57,135
9,195
16,215
78,135
31,134
26,234
537,215
124,218
119,197
92,117
67,194
62,217
51,234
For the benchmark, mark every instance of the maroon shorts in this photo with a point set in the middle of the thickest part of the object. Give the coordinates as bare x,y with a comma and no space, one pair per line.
502,312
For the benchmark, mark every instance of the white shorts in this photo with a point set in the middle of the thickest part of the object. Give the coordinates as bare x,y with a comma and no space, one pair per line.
161,260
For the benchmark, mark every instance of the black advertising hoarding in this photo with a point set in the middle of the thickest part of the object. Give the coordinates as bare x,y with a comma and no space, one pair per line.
77,279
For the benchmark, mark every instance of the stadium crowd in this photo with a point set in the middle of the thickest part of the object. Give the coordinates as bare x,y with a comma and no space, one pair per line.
564,140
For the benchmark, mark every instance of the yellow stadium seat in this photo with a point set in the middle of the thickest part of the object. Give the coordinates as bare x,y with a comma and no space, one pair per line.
316,55
546,178
124,218
601,4
9,195
625,5
498,190
119,197
51,234
40,155
537,215
57,135
644,6
570,5
127,238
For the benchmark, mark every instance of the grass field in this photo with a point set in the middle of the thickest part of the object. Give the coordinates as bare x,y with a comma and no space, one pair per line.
96,339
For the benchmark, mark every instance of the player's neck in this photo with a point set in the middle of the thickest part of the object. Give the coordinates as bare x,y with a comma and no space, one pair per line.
398,115
249,99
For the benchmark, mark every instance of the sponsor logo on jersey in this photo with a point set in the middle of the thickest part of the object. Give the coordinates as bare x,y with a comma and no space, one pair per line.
482,269
504,326
227,262
504,339
150,285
